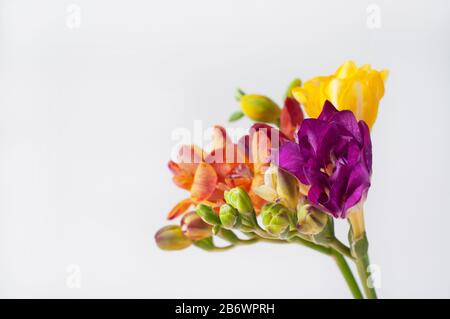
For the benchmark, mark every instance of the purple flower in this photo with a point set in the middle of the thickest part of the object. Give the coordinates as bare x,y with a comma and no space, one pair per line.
332,154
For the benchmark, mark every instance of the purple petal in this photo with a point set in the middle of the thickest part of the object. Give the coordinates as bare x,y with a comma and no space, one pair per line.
290,159
347,121
328,111
358,185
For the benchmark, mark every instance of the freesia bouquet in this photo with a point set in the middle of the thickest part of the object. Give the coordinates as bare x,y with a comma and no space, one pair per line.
290,176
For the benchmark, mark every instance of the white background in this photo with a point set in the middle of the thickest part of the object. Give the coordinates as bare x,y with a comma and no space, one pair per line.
87,116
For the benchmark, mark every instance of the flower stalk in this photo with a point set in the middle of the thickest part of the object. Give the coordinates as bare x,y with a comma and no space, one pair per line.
362,264
347,274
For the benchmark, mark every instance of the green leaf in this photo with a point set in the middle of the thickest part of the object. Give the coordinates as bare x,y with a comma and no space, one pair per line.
238,94
236,116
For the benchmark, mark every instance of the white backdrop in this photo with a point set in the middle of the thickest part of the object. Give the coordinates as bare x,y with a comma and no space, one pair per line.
88,107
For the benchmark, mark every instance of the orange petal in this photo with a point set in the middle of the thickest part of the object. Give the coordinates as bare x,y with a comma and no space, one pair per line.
204,184
217,196
182,177
223,160
224,169
180,208
174,168
183,181
257,201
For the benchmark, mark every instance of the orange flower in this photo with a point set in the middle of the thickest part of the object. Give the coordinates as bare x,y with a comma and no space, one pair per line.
207,175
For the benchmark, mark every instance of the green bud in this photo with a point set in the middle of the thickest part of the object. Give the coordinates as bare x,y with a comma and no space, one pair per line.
172,238
287,189
229,217
275,218
311,221
260,108
208,215
239,199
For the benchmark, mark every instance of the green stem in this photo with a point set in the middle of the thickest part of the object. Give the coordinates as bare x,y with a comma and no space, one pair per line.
248,241
262,233
347,274
340,261
337,245
362,264
216,249
320,249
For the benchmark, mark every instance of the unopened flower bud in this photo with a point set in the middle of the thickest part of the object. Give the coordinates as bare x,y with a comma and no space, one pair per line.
229,216
311,221
239,199
287,189
194,228
171,238
260,108
275,218
208,215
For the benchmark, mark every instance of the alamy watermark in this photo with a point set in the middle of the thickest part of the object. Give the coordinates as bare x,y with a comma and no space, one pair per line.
73,16
374,280
373,16
219,145
73,278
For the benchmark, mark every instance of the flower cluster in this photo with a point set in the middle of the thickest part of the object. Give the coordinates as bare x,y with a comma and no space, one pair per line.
290,178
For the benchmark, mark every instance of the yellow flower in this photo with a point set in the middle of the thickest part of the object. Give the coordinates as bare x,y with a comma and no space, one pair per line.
349,88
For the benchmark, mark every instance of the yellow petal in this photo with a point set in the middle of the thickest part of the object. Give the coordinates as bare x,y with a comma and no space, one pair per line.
384,74
312,95
366,68
345,70
266,192
361,101
332,91
300,95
